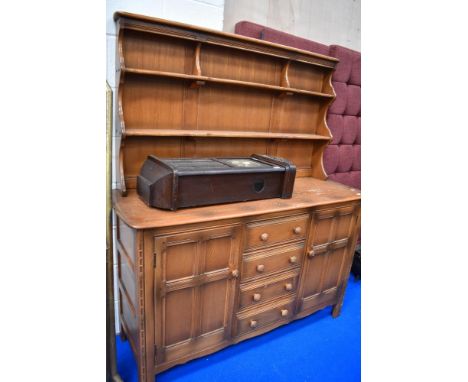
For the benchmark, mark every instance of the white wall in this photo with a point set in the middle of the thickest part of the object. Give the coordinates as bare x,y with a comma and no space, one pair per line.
206,13
325,21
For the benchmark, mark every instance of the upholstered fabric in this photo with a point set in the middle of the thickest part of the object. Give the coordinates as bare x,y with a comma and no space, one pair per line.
353,100
355,78
342,158
274,35
339,105
348,178
343,70
346,130
246,28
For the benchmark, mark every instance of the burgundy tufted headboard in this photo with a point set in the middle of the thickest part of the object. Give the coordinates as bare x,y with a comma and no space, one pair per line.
342,158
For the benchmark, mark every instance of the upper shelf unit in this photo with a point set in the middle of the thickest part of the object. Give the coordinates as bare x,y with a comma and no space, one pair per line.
189,91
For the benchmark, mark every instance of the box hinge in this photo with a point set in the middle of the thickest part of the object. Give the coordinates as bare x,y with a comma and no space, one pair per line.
154,260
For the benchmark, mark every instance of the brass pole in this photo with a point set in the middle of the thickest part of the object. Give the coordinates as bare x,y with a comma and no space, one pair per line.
111,355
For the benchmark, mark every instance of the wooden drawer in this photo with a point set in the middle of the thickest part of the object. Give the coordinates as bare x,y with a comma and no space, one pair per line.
264,233
258,293
266,315
265,262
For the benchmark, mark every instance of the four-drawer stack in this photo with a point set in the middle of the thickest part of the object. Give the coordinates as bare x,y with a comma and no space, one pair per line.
271,264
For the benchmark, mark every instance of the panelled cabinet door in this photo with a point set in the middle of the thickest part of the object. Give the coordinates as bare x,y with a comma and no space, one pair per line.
196,275
330,241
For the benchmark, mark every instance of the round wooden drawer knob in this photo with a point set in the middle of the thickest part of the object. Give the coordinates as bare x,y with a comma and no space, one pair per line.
260,268
311,253
293,259
284,312
264,236
297,230
253,323
235,273
288,286
257,296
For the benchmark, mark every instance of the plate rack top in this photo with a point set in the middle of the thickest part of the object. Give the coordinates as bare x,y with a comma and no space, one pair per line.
186,91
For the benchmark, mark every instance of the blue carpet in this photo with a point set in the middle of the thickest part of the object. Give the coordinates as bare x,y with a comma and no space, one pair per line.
315,348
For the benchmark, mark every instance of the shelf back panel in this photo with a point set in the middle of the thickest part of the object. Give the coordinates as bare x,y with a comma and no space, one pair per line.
137,149
152,103
221,62
145,51
303,76
164,103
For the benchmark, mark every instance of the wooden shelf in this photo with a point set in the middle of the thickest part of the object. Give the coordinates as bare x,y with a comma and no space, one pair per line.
211,37
198,79
219,134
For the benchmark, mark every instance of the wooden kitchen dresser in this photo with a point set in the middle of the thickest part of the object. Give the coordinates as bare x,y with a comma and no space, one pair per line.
196,280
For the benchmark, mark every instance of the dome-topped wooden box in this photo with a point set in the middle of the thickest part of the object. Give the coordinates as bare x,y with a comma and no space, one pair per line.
190,182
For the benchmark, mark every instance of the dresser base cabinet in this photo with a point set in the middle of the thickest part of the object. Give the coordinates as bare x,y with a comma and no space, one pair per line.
187,290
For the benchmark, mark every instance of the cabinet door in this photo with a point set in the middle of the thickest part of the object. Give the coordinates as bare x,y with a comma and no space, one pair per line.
329,248
195,283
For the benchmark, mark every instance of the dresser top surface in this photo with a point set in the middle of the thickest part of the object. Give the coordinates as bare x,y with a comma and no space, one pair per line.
308,192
